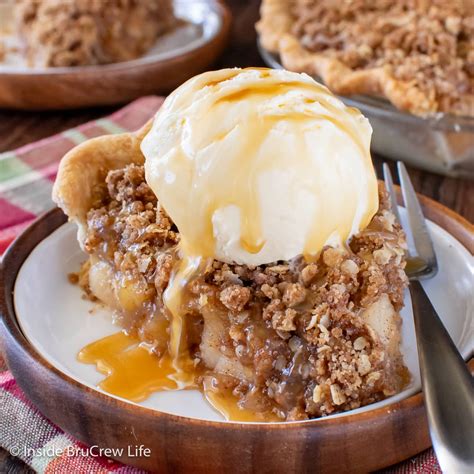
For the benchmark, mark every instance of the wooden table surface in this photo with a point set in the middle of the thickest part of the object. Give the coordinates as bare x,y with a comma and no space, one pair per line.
20,128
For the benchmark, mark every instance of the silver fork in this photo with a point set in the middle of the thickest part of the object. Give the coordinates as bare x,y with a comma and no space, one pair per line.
447,384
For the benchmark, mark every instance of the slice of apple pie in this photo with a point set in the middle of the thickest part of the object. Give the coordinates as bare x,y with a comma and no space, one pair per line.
289,338
60,33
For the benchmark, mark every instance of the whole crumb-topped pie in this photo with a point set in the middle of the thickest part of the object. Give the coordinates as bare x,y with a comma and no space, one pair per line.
285,339
59,33
418,54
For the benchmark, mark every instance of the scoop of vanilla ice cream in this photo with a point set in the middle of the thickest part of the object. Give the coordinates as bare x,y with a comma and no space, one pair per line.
259,165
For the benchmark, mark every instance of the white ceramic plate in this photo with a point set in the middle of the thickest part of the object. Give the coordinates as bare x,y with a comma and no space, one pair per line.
201,23
58,322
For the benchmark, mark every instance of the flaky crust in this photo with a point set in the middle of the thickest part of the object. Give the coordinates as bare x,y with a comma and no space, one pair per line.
82,172
275,30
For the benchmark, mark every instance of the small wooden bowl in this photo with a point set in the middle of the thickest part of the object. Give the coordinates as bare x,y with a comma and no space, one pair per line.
73,87
357,443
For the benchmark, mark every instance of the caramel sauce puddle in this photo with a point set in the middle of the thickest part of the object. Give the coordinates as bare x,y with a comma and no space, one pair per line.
133,372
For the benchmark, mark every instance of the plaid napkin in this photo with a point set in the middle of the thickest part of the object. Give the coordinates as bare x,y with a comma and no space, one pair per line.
26,179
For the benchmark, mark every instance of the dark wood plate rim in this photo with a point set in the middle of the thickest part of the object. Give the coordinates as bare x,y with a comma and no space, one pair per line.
401,424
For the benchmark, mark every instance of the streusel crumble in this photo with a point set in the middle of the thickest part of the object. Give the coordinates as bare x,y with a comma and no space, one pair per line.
419,53
295,339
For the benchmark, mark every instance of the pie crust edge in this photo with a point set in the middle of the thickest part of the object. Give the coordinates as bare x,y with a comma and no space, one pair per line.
82,172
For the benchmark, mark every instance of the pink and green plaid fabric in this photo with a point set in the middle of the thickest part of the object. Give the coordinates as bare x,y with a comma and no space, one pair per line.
27,174
26,179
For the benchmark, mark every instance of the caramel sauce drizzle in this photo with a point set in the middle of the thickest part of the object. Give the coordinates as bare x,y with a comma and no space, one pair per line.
218,180
173,297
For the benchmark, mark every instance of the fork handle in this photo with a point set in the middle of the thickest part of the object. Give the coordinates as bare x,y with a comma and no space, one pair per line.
447,385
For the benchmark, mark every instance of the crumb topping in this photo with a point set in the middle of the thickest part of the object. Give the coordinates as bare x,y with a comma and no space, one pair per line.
293,336
426,43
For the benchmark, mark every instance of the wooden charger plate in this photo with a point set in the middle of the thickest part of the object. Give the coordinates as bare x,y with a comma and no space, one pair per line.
357,443
171,62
